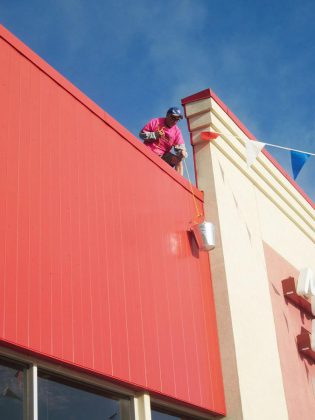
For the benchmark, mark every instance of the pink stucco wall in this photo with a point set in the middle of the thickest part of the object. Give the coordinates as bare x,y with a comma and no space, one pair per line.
298,372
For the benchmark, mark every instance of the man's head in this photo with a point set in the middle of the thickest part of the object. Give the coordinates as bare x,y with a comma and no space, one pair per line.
173,115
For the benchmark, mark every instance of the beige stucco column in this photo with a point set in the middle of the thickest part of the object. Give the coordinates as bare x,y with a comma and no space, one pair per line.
250,206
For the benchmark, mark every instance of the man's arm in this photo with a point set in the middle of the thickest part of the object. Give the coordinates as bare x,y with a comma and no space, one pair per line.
150,136
180,150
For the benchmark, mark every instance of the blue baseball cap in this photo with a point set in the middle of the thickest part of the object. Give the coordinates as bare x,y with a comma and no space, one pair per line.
175,111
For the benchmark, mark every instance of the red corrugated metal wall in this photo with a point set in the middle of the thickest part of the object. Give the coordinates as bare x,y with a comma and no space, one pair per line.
97,269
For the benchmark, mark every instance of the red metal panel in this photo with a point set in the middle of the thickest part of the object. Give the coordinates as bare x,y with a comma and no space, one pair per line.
99,270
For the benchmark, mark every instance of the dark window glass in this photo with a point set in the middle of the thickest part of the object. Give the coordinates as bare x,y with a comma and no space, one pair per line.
63,400
161,415
11,391
157,415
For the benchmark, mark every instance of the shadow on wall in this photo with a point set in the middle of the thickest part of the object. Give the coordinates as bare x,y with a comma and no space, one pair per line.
193,244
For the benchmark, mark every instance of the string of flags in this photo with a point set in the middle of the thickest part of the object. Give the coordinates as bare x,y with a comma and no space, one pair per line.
254,147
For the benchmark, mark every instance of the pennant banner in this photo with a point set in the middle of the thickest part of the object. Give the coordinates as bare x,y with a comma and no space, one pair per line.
298,160
253,148
209,135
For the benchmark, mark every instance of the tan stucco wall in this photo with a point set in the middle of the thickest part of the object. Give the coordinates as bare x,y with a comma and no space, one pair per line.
249,206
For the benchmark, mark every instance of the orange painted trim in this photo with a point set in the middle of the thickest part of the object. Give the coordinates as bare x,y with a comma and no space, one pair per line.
26,52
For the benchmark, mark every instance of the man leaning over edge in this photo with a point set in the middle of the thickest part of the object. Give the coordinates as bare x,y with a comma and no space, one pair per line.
162,134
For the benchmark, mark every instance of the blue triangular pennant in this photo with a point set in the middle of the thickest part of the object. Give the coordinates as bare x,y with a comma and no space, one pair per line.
298,160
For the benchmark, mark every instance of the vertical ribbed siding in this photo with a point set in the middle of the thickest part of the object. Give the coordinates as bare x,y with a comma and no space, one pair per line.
97,268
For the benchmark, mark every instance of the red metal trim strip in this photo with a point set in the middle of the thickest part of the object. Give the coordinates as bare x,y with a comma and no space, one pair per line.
111,379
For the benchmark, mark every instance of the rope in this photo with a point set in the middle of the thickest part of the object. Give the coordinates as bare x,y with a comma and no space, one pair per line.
267,144
192,191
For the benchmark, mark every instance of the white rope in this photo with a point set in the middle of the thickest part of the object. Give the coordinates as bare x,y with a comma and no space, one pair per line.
288,148
269,144
192,191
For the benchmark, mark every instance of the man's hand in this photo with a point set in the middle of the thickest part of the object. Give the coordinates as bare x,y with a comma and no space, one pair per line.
159,133
184,153
151,136
181,153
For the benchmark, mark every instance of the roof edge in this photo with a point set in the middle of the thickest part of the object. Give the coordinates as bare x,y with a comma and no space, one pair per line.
41,64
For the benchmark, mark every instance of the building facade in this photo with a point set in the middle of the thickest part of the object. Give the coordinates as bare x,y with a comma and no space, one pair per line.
265,227
100,275
108,308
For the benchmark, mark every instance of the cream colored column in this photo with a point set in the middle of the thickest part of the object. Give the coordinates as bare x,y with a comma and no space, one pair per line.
142,406
250,359
31,394
205,178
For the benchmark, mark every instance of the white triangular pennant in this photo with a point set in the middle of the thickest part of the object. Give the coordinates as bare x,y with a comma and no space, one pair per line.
253,148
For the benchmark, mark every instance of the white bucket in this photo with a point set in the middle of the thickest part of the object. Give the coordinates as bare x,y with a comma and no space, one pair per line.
205,235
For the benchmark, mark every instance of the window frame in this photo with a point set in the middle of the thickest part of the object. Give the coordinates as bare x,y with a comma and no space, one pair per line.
33,367
123,400
132,401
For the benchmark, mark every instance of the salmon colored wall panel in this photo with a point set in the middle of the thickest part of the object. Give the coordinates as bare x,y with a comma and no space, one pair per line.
298,372
97,267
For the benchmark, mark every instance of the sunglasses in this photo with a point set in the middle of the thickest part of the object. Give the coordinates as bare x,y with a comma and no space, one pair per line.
174,118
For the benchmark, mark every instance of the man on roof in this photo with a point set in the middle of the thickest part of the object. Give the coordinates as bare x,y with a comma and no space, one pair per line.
161,135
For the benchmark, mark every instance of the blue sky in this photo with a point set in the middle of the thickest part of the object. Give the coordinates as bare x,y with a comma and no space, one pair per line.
136,58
